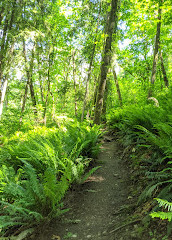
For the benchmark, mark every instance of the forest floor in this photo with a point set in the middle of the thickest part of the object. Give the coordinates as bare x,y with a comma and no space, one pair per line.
101,208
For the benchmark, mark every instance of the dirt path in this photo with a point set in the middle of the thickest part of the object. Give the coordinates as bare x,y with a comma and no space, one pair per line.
95,206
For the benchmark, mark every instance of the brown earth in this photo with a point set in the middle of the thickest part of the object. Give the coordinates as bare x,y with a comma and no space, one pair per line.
101,208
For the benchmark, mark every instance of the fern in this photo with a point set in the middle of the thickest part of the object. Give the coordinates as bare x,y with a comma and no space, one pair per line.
163,215
164,203
150,189
38,169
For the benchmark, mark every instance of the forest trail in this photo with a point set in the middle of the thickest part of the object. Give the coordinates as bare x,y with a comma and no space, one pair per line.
95,206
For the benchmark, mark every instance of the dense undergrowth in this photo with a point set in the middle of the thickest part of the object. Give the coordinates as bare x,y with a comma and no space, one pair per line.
38,166
147,128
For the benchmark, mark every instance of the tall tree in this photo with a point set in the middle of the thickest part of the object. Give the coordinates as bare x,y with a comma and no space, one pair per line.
8,19
29,74
106,59
156,49
90,65
74,82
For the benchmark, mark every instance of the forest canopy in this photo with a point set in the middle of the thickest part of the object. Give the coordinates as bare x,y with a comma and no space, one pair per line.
56,56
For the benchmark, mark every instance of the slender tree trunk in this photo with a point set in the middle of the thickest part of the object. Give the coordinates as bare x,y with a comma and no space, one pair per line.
164,71
4,87
96,84
86,93
53,109
156,49
32,92
29,73
112,25
117,86
5,40
24,101
90,66
105,98
10,25
96,90
46,100
74,82
2,53
3,96
50,61
40,79
66,82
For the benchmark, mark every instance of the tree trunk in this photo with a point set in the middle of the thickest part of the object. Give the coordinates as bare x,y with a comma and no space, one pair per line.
5,39
29,72
117,86
4,87
53,109
2,53
74,82
156,49
105,98
40,78
164,71
3,96
106,59
24,100
66,82
90,66
46,100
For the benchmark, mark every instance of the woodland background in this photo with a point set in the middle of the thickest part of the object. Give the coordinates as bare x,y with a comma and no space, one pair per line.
66,66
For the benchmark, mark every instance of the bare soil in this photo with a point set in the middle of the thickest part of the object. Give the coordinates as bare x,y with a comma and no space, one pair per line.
101,208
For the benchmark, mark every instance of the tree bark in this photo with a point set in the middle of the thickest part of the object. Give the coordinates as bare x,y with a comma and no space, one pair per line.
40,77
29,72
106,59
105,98
3,95
24,100
53,109
117,86
156,49
5,39
164,71
48,92
66,82
2,53
74,82
90,66
4,87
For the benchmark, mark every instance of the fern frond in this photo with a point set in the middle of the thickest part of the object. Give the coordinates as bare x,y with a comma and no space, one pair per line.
162,215
165,204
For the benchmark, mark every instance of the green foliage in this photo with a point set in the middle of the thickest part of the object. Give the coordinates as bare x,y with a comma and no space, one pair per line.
38,167
163,215
149,129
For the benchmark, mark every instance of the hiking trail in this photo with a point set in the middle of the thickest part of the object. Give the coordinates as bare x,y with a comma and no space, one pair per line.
96,207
